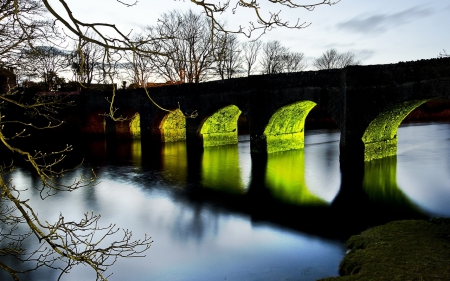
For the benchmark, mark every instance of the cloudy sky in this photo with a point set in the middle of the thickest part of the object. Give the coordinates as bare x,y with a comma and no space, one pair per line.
378,32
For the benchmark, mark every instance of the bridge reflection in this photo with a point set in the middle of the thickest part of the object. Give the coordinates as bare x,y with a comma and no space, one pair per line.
380,183
285,178
275,189
174,161
221,170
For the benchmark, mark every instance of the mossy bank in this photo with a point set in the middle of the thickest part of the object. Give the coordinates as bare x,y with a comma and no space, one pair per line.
400,250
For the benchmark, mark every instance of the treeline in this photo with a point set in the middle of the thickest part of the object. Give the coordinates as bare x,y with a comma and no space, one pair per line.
182,49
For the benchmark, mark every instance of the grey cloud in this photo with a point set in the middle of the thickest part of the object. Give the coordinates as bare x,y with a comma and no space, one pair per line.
379,23
364,54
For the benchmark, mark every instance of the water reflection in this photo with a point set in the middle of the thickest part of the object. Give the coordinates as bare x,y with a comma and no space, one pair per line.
221,169
174,161
285,177
249,234
380,184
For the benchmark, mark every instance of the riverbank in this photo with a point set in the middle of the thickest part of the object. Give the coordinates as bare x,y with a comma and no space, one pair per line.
400,250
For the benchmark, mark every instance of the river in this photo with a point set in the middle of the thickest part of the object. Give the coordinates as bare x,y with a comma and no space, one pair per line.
225,215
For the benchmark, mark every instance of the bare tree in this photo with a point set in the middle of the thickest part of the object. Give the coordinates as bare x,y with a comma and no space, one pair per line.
187,47
69,242
139,67
294,62
272,57
45,63
261,23
85,60
228,56
332,59
443,54
63,243
251,50
22,23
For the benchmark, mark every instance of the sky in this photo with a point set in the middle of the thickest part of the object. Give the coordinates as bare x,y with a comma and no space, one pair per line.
378,32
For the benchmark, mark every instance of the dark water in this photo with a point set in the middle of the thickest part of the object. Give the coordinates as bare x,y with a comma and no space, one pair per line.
222,214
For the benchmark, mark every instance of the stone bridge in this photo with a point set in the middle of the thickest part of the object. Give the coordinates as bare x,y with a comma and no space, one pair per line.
368,103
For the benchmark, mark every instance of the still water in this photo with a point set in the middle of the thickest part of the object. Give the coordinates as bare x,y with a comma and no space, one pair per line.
222,214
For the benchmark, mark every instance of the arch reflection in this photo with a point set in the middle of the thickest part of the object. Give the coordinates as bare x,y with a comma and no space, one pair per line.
285,177
130,150
380,184
174,161
221,169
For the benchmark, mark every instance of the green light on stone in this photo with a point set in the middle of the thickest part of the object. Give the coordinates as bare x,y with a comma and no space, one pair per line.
174,162
221,169
285,177
221,127
380,137
285,130
135,126
173,127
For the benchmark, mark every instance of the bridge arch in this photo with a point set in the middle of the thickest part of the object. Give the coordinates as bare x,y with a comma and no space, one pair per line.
173,126
286,128
380,137
220,127
135,125
130,126
95,123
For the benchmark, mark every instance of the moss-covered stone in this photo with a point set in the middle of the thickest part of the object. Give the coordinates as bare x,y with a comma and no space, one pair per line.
400,250
135,126
173,127
221,127
380,137
285,130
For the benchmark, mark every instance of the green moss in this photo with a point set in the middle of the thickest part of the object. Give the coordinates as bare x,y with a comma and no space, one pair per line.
380,137
400,250
221,127
221,169
285,130
173,127
285,177
135,126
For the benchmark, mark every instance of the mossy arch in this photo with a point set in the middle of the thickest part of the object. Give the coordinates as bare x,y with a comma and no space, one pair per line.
135,126
173,126
285,130
380,137
220,128
130,127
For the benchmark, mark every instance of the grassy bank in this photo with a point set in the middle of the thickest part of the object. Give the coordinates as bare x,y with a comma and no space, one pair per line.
400,250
